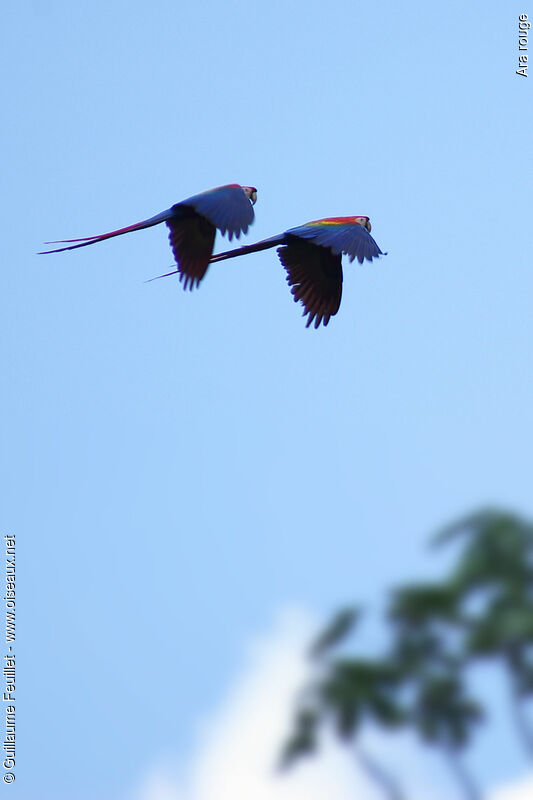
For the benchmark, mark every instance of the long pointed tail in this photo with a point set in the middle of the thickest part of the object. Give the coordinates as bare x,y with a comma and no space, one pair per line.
264,244
165,275
86,240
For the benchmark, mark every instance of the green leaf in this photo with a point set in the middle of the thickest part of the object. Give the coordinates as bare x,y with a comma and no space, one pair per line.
334,633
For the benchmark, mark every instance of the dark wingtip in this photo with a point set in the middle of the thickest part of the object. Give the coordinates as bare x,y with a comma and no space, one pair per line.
189,282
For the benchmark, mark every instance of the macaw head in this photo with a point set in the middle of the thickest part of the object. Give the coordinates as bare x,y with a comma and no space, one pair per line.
364,221
251,193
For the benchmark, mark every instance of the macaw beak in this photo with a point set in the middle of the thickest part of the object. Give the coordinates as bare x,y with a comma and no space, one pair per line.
253,198
368,225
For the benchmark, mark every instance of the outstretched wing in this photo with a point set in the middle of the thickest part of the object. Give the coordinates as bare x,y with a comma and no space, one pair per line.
191,238
341,235
226,207
315,277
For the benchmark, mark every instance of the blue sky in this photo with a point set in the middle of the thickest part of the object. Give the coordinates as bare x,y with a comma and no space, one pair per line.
178,467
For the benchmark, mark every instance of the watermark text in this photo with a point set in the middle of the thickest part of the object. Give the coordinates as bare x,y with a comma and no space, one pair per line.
523,34
8,666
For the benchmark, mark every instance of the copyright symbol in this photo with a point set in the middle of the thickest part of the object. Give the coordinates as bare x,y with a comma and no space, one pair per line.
9,777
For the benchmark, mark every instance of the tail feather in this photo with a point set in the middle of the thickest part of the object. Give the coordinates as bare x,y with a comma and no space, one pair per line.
86,240
264,244
165,275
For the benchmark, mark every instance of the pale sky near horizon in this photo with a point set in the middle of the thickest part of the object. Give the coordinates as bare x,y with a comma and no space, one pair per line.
178,467
232,750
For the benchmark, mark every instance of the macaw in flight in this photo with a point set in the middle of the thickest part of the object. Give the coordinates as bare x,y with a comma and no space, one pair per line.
192,223
311,254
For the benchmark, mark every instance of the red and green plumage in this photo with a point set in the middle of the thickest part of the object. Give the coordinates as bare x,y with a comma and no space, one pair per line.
193,224
311,255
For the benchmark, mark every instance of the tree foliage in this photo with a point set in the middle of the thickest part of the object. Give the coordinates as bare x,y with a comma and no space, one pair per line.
483,608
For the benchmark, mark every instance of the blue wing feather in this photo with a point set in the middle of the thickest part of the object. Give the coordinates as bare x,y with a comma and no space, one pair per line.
349,238
226,207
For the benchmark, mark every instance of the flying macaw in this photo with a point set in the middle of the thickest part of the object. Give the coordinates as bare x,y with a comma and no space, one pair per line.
193,223
311,254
